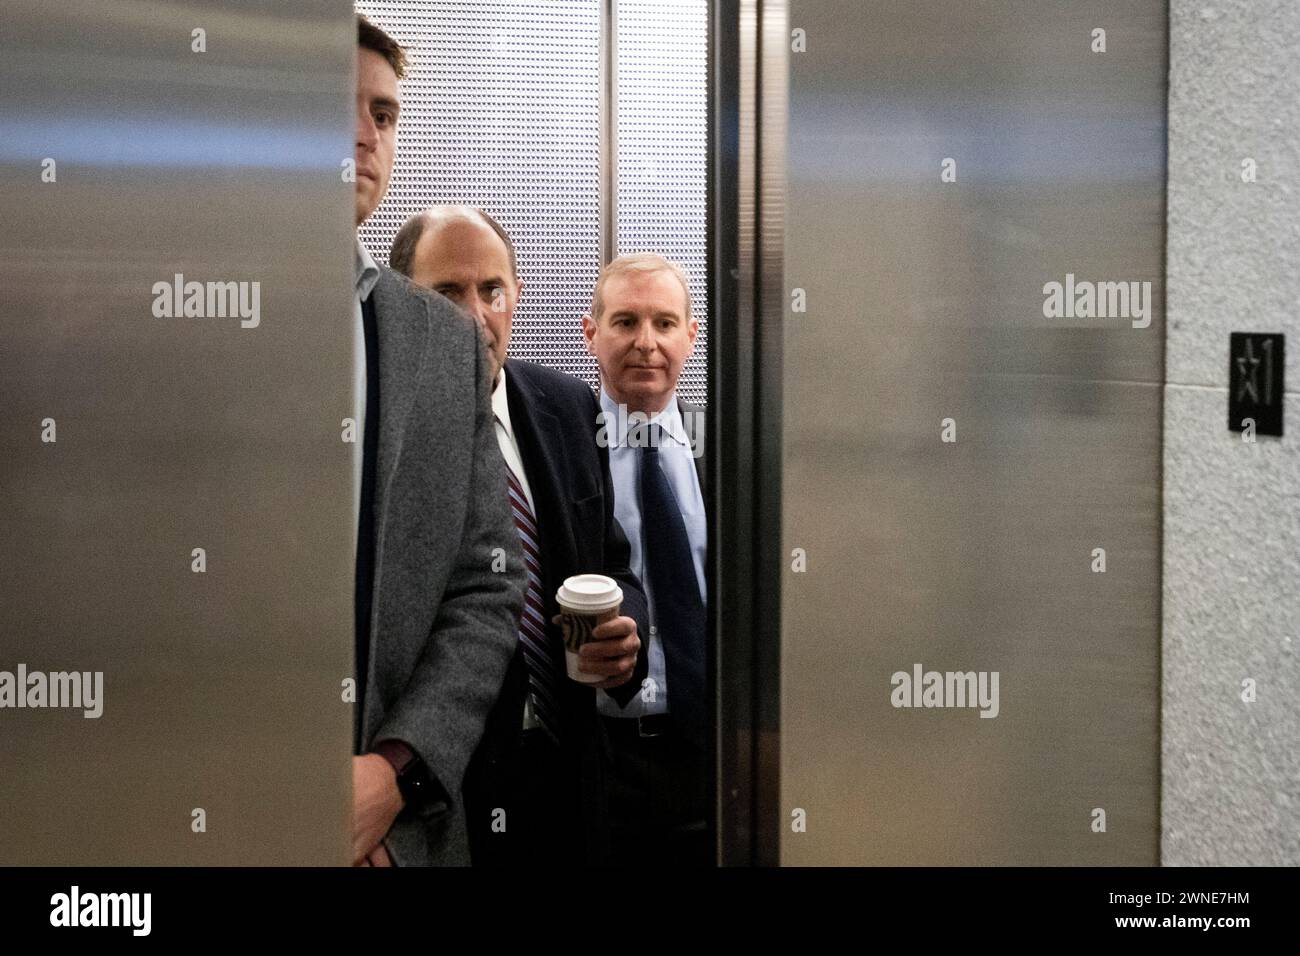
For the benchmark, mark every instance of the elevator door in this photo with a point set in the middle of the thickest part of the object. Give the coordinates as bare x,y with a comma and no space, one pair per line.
179,507
970,640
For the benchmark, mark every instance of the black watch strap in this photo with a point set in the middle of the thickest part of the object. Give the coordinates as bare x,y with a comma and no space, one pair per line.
412,774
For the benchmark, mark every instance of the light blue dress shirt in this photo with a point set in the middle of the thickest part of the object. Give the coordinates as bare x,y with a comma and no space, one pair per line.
679,467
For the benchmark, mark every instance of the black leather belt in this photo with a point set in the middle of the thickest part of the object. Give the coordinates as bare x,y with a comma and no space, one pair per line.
655,725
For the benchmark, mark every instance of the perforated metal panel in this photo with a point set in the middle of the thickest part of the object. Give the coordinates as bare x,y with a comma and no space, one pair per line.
661,55
501,109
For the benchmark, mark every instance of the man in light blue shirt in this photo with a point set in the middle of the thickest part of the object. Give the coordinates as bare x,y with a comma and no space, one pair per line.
641,331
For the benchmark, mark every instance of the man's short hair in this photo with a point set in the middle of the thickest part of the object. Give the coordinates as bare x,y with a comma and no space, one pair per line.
370,37
401,257
643,262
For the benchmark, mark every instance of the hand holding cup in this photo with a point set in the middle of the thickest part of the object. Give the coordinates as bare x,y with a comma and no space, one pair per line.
600,646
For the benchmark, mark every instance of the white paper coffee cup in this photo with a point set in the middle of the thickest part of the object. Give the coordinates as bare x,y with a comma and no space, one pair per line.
586,600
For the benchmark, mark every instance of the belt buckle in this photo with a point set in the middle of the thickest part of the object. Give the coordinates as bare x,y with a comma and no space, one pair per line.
642,723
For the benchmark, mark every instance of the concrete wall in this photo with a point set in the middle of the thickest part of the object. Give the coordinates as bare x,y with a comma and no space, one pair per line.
1231,768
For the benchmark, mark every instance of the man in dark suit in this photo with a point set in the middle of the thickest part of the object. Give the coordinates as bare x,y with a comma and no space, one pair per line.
641,331
439,584
535,791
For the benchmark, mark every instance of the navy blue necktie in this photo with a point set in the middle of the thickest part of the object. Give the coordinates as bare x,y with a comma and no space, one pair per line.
677,610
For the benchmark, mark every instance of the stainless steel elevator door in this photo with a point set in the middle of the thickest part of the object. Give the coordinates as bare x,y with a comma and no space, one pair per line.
925,311
143,141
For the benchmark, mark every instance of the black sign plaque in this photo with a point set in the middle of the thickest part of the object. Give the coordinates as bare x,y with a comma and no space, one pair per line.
1256,363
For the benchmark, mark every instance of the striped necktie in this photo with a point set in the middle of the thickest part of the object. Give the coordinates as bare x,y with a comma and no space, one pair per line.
543,676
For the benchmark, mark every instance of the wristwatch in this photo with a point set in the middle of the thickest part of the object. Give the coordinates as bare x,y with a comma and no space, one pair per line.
412,775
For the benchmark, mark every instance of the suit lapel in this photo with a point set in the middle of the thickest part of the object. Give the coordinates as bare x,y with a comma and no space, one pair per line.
403,339
403,346
537,433
693,421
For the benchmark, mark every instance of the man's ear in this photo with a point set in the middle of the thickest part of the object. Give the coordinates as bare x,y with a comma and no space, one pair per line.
588,332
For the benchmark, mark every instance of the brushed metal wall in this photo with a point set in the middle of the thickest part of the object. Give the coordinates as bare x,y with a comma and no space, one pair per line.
925,302
221,689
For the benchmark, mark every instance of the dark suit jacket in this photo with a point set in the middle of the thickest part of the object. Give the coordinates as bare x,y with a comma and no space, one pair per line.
442,627
693,419
554,418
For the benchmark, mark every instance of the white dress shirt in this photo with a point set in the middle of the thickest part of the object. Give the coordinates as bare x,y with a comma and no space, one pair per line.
679,468
506,439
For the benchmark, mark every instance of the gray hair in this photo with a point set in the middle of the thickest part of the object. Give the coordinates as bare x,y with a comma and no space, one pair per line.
643,262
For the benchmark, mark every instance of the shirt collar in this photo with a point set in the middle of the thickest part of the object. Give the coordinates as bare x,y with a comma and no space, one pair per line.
367,272
617,420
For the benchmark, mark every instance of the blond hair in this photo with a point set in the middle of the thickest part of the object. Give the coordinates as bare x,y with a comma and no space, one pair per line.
642,262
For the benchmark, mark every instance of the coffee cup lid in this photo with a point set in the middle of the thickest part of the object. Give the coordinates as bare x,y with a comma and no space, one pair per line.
589,592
